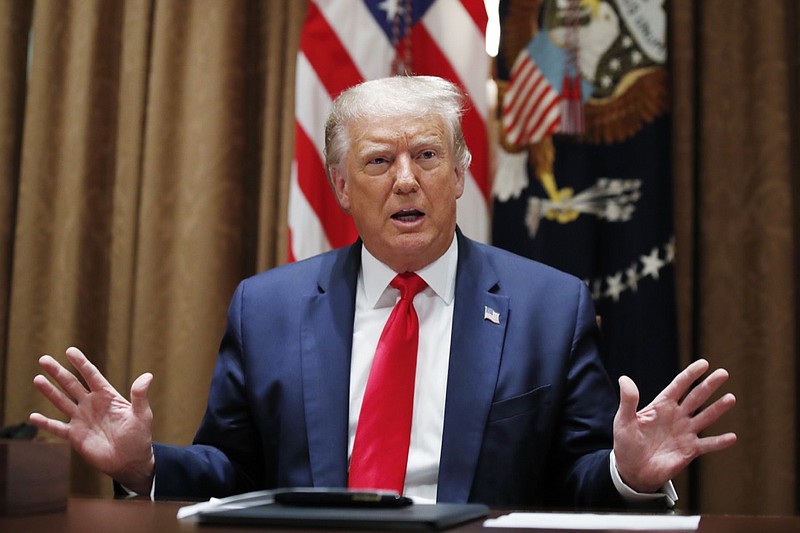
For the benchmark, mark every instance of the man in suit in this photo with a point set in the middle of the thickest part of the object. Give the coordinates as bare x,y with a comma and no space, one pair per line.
511,405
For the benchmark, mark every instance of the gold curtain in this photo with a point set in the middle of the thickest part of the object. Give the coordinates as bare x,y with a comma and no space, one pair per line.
735,134
149,170
145,150
15,18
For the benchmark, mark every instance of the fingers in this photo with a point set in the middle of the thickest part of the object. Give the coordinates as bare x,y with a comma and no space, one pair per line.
56,427
692,404
56,396
65,379
68,381
716,443
704,390
66,391
713,412
684,380
628,399
139,389
94,379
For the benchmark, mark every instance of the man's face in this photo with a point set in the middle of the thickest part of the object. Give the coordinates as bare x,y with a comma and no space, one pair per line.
401,186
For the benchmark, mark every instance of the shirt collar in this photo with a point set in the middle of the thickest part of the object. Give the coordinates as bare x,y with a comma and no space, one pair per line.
439,275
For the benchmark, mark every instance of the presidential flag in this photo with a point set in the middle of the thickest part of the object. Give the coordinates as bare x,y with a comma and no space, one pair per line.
583,179
344,42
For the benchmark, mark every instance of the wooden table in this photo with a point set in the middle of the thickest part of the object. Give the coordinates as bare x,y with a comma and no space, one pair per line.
85,515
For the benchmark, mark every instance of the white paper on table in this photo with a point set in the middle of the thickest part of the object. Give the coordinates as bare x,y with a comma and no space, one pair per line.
237,501
596,521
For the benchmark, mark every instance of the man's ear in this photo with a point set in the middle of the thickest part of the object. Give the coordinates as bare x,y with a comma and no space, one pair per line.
460,177
339,186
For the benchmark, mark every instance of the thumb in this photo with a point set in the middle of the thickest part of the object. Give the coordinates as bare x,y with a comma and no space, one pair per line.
139,389
628,399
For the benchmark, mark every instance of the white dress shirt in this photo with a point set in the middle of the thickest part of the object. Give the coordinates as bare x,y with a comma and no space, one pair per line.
375,299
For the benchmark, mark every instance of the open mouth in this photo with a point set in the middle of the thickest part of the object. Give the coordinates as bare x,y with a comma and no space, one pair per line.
408,215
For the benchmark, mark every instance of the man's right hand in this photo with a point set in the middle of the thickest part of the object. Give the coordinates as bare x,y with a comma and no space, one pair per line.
109,432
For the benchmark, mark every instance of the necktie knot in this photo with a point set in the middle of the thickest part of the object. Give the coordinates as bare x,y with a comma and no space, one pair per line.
409,285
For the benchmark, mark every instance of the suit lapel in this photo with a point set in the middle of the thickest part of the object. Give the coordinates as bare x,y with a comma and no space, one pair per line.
475,352
326,339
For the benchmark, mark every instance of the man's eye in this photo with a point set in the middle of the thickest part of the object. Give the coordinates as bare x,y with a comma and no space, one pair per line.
428,154
378,161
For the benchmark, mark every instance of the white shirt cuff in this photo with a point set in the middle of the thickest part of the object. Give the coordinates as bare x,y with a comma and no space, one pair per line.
667,490
152,490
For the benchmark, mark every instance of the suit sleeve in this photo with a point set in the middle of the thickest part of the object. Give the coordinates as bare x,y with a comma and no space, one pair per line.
585,435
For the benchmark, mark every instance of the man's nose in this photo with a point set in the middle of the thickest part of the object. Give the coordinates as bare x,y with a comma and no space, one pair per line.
405,179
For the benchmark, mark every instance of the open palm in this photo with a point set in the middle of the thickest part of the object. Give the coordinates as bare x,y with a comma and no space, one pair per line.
111,433
653,445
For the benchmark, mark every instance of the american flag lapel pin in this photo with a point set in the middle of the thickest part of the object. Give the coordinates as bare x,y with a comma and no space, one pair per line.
491,315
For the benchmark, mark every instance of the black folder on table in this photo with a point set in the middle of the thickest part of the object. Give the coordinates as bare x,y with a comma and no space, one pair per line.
416,516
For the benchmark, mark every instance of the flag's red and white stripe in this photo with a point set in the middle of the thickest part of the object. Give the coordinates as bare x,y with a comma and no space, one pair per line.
531,105
341,45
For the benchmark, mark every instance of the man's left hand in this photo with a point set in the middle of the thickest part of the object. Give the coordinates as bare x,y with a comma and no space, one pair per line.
653,445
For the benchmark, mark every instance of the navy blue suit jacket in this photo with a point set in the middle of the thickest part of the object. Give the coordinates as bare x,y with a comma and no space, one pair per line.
528,412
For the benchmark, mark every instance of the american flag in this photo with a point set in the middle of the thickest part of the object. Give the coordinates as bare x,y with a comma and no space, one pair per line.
531,105
344,42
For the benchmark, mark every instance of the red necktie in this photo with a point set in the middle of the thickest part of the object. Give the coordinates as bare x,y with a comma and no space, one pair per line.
380,450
